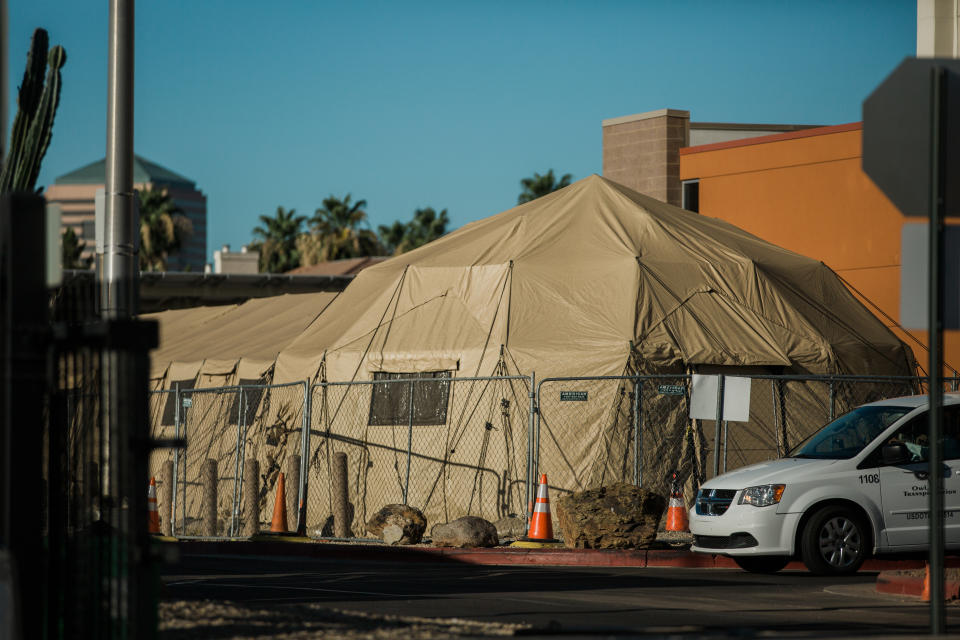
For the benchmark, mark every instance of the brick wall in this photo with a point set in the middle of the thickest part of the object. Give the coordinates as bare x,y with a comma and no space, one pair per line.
643,152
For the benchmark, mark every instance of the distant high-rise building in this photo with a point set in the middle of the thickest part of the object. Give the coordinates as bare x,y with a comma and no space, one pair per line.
75,193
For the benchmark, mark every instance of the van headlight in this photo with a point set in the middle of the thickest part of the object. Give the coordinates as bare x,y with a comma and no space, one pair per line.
762,496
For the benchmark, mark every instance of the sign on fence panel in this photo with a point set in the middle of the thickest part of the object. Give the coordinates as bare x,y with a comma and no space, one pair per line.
671,390
703,398
573,396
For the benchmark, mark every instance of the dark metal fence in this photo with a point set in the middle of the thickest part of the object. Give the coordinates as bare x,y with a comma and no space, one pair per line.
73,448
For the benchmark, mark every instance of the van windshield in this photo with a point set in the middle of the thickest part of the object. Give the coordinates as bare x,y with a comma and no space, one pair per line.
846,436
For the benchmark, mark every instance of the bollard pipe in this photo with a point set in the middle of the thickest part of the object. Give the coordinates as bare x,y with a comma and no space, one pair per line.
210,497
251,497
406,484
338,486
293,471
166,498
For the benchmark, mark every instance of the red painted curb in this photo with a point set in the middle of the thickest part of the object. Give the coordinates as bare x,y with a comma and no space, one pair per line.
563,557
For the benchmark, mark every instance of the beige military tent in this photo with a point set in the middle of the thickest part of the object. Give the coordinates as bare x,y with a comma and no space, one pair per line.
209,350
592,280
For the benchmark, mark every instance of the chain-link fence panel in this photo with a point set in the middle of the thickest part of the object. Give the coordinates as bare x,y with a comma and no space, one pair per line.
448,446
594,431
209,419
168,429
600,430
273,425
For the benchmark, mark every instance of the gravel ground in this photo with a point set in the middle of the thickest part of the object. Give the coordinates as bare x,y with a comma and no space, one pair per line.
220,620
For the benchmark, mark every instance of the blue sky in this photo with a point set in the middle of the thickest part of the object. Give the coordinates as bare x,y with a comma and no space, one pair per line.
442,104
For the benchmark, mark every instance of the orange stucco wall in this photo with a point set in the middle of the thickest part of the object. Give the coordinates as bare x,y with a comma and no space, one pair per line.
806,192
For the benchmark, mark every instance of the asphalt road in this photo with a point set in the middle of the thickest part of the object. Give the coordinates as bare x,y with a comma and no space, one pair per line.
566,600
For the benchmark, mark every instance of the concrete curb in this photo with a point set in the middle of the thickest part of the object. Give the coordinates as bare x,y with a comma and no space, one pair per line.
503,556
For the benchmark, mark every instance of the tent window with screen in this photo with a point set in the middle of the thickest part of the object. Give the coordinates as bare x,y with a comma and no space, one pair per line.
251,400
390,403
170,407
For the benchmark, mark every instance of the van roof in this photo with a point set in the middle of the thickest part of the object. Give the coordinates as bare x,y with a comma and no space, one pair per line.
916,401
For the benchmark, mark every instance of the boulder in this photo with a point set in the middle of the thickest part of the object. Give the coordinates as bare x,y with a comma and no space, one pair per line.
618,516
410,520
511,527
468,531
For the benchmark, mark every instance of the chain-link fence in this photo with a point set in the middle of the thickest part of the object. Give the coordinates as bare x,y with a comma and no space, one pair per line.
447,446
643,438
463,446
224,428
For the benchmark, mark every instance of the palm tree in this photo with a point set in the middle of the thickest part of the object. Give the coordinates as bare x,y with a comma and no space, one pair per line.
163,229
541,185
427,225
277,241
71,249
337,232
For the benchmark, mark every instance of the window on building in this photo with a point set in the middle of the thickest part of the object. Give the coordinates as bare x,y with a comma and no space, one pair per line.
690,195
88,230
390,402
251,401
168,419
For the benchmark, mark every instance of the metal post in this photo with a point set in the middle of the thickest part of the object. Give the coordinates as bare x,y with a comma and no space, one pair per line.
719,421
726,433
935,493
304,457
833,400
406,484
533,441
637,388
237,477
119,266
176,455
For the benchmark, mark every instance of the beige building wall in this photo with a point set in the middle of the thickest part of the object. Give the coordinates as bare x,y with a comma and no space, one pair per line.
938,28
77,203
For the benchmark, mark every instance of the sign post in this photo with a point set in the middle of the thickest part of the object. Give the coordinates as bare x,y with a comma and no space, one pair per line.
911,142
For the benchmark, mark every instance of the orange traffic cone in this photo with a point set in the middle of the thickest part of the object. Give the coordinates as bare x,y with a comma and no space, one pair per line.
925,594
279,524
541,526
677,519
153,516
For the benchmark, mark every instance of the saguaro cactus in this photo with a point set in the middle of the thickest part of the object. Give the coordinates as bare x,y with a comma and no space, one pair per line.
37,104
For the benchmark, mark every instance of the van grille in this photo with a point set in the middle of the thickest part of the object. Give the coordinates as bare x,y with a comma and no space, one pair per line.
714,502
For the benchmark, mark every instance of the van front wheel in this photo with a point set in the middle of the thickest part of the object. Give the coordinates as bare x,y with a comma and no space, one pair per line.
834,542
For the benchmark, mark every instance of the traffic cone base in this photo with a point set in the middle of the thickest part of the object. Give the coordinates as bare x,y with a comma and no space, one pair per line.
153,516
677,518
541,525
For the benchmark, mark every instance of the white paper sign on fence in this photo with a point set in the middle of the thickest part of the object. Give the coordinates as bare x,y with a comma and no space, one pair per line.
736,398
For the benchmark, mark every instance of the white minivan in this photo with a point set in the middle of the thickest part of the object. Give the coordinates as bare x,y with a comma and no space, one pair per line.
856,487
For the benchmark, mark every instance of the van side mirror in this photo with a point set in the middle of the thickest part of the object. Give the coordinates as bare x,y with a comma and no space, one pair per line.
893,454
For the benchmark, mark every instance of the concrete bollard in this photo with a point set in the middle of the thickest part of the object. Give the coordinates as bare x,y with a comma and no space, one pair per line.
251,497
292,480
165,499
209,507
338,487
